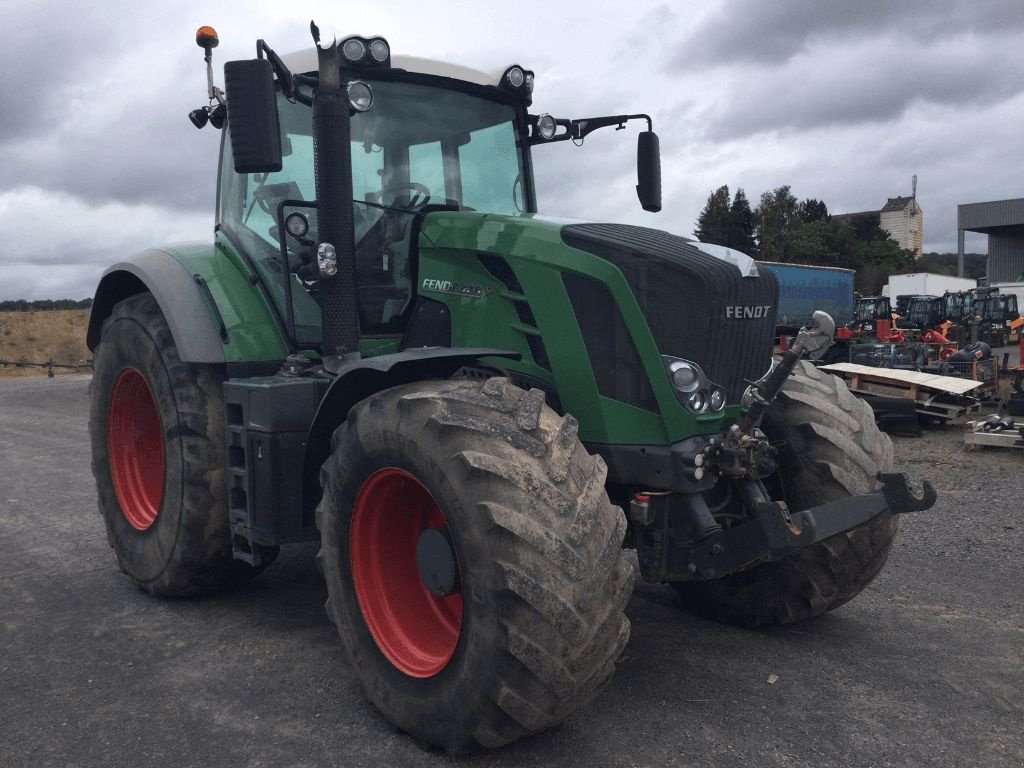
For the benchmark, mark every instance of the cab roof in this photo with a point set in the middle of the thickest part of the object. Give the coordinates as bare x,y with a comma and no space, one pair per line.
305,61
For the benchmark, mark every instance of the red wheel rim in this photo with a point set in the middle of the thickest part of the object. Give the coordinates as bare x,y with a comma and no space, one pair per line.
135,446
416,630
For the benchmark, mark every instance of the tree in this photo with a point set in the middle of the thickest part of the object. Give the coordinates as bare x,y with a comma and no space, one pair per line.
773,222
811,210
876,260
824,242
714,222
741,225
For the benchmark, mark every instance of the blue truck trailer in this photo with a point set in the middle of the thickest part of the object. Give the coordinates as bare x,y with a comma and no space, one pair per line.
804,288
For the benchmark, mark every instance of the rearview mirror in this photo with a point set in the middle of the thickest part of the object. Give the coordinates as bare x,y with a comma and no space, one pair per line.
252,116
648,171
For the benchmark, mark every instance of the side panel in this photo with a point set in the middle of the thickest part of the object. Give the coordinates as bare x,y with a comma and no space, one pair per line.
214,312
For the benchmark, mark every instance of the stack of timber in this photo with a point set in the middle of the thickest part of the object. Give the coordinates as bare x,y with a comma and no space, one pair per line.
941,398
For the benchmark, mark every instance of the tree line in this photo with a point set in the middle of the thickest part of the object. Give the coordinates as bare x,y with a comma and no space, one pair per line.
22,305
784,229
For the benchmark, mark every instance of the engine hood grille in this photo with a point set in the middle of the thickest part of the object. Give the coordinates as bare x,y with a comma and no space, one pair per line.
698,307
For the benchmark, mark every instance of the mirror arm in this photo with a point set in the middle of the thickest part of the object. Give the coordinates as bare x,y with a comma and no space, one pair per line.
284,76
579,129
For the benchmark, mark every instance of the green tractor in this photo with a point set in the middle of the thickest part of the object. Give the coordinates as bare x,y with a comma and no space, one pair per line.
474,409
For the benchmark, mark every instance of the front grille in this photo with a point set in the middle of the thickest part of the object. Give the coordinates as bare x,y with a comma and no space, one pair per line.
684,294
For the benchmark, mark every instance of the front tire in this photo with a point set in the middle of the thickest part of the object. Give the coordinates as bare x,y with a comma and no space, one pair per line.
157,430
529,628
829,449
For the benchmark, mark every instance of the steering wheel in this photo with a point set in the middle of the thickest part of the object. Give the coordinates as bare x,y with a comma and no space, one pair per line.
420,197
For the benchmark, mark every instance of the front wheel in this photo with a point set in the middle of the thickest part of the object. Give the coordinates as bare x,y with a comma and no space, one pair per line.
473,561
829,449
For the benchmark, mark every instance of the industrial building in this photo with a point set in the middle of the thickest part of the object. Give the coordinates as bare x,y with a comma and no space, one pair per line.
1003,222
902,218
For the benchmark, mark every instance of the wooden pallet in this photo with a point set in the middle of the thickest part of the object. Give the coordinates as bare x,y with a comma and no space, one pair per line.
944,398
975,436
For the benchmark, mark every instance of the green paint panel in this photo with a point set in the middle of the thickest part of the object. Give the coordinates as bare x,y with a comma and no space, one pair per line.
451,271
253,333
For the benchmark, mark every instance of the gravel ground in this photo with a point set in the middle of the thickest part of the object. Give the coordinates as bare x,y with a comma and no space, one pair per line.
925,668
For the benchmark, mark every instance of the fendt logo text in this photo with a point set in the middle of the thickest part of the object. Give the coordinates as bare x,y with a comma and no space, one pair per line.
738,312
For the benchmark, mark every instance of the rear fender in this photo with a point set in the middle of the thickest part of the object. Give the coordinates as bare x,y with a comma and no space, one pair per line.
212,309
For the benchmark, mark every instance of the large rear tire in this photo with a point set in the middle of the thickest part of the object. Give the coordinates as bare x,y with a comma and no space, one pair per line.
829,448
157,430
530,621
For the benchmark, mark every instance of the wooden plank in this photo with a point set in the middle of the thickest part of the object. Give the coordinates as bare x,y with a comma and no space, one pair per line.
950,384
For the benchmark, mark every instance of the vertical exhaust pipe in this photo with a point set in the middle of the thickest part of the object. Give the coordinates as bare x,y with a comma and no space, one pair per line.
331,150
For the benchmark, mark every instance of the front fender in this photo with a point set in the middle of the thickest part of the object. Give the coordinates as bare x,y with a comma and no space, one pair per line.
364,377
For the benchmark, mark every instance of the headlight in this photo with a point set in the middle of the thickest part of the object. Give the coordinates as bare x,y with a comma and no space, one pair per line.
379,50
683,375
362,52
327,260
546,126
296,224
515,77
698,402
360,95
717,401
353,49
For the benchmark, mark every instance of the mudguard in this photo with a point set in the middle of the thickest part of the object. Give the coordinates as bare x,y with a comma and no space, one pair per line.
363,377
214,312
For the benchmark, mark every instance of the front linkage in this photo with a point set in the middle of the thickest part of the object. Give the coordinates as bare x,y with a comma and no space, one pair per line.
677,535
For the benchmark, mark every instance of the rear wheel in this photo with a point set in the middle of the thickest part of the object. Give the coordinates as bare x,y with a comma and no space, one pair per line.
157,431
829,448
473,561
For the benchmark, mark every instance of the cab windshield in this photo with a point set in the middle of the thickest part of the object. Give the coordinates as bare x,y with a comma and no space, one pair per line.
418,145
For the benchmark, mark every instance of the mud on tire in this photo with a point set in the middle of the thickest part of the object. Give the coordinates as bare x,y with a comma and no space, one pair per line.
166,520
829,448
542,580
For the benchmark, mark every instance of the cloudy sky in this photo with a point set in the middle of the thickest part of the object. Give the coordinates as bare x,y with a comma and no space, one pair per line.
843,101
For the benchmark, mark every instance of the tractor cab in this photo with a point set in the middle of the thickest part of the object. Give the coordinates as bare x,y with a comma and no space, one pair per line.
423,136
958,306
866,314
924,312
996,313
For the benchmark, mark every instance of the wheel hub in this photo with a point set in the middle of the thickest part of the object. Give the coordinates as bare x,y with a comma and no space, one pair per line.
435,557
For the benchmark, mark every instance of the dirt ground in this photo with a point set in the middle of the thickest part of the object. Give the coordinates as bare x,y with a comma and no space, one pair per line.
40,337
925,668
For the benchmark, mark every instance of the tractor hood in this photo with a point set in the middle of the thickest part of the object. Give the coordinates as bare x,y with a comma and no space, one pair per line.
703,304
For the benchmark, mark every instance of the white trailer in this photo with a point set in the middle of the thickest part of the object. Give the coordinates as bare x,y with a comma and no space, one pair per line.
925,284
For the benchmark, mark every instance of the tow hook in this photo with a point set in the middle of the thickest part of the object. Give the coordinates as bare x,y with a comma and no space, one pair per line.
900,498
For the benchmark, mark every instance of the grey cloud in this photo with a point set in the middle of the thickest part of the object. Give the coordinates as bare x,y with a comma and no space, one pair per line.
133,147
869,84
754,31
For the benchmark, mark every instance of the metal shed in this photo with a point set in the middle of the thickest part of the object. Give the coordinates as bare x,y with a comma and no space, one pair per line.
1003,222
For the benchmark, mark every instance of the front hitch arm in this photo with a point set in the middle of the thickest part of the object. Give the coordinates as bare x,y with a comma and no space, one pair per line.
775,533
812,340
